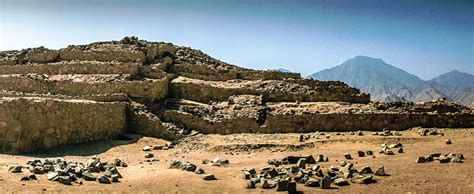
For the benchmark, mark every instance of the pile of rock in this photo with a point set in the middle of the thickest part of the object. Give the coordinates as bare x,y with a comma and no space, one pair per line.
216,162
387,132
387,149
68,172
428,131
188,166
442,158
286,178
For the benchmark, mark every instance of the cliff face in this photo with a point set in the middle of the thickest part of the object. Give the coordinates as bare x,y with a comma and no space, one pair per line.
162,90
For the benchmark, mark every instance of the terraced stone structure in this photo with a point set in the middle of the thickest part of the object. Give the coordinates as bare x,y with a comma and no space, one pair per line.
90,92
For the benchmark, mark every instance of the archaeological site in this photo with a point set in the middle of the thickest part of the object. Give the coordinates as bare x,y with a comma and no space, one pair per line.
141,116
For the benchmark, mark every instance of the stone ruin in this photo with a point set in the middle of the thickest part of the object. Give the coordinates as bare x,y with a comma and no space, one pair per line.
97,91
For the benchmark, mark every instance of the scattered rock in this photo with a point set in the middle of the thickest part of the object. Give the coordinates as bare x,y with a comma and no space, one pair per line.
448,141
312,182
149,155
361,153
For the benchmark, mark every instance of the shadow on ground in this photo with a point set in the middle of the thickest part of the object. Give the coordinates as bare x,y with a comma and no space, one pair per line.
82,149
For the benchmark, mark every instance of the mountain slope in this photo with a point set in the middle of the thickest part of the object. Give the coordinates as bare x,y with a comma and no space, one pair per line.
383,81
388,83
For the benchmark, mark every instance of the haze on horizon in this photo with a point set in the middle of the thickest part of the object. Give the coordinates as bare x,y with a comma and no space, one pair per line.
425,38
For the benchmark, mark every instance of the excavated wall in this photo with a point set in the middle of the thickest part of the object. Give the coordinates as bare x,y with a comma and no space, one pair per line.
151,89
73,67
281,123
27,124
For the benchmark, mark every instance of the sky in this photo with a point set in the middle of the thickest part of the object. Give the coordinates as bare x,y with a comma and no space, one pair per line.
424,37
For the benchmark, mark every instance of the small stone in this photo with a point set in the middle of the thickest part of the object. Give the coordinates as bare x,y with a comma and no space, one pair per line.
66,180
199,171
282,185
37,170
361,153
292,187
86,175
266,185
124,164
369,153
420,160
118,162
341,182
301,138
326,182
380,171
147,148
104,180
115,178
251,184
312,182
15,169
343,163
363,179
366,170
149,155
52,175
157,147
400,150
301,163
348,156
443,159
448,141
209,177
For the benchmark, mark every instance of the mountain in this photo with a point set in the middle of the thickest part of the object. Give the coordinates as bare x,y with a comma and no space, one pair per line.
456,85
388,83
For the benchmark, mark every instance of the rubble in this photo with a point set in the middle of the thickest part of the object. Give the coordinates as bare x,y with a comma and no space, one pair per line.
69,172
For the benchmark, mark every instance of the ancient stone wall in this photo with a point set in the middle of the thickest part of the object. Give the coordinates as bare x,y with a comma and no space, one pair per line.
27,124
291,123
272,91
150,89
73,67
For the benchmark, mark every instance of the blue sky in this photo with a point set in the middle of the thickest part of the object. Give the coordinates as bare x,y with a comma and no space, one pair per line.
426,38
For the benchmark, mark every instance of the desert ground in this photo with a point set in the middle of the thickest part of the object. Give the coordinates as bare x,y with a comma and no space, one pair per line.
253,151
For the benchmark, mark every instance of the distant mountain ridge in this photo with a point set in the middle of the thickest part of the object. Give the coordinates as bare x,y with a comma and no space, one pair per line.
388,83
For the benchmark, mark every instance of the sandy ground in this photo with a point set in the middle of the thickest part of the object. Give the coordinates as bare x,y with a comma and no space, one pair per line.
156,177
